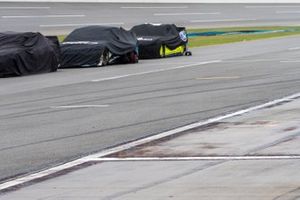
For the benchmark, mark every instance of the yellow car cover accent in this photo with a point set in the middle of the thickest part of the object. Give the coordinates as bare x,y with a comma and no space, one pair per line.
165,51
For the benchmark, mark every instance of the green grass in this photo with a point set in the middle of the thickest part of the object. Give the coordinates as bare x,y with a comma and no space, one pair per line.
223,39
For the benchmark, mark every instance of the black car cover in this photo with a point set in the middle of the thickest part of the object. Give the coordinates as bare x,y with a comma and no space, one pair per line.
54,42
152,36
83,46
26,53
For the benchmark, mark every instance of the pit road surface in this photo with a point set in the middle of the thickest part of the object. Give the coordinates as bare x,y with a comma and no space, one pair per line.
61,18
52,118
38,131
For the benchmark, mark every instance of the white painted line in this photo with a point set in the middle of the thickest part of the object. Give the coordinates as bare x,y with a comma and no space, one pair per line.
182,14
42,174
201,158
87,24
22,8
192,126
218,77
294,48
287,12
79,106
278,6
154,7
249,61
158,70
40,16
221,20
290,61
146,140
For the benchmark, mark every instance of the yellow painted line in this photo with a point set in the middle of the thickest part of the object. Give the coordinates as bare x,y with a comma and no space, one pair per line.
218,77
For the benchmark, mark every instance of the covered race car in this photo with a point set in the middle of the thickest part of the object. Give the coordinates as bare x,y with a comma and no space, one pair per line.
161,40
98,46
26,53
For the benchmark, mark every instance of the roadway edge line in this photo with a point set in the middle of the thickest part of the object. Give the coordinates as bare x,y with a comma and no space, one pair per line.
199,158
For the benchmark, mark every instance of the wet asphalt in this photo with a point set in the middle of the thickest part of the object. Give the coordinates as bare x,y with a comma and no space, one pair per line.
36,133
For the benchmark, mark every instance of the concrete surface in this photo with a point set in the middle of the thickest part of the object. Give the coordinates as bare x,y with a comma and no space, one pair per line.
266,132
271,131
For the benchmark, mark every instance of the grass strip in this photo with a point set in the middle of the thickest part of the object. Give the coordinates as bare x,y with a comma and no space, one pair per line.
224,39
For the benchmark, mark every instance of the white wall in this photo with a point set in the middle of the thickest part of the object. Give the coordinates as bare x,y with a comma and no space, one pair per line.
163,1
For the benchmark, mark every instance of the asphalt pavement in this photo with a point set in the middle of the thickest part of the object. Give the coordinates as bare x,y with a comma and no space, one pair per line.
61,18
49,119
54,118
253,156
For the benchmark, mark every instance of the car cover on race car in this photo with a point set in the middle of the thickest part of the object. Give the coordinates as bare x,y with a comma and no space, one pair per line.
160,40
26,53
98,46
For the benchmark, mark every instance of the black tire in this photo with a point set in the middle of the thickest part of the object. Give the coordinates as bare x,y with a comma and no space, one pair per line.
104,58
188,53
134,58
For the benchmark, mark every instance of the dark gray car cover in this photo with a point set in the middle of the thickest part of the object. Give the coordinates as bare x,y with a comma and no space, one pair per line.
26,53
83,46
151,37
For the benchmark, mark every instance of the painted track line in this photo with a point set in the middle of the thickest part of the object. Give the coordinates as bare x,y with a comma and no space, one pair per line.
158,70
154,7
183,14
294,48
218,78
23,8
271,6
66,166
249,61
287,12
87,24
79,106
290,61
39,16
222,20
200,158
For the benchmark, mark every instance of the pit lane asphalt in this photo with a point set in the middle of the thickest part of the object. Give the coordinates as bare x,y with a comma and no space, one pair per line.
35,134
61,18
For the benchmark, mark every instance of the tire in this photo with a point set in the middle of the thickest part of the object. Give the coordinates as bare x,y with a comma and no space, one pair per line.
188,53
133,57
104,58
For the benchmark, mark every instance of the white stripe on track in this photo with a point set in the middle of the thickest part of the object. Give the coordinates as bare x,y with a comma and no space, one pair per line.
290,61
22,8
74,25
39,16
79,106
200,158
221,20
294,48
183,14
153,7
158,70
146,140
270,6
287,12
